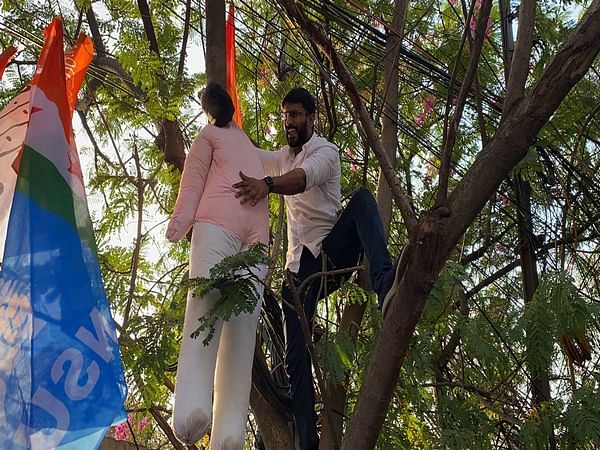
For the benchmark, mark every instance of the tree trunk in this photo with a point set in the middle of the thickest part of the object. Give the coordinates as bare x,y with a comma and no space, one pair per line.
272,425
110,444
215,41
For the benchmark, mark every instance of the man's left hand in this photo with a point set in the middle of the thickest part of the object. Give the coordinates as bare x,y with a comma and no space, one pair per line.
251,189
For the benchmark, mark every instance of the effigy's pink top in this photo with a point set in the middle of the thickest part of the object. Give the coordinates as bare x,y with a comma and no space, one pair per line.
206,194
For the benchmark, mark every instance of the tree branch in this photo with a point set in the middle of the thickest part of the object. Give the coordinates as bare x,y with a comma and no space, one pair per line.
519,64
389,132
148,26
184,39
452,129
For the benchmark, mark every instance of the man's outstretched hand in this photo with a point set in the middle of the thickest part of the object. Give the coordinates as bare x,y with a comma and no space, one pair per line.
250,189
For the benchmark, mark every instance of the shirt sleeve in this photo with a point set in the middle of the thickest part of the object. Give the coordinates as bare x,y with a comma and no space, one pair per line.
270,161
193,180
321,165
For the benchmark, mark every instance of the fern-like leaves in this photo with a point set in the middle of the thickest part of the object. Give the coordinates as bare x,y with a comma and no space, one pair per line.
235,278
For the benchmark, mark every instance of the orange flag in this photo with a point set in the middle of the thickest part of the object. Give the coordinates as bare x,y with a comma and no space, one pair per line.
5,58
77,60
231,84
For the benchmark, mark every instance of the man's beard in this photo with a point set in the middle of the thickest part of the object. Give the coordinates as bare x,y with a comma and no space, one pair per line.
299,135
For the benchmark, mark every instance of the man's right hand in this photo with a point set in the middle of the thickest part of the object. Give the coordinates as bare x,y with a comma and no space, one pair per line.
251,189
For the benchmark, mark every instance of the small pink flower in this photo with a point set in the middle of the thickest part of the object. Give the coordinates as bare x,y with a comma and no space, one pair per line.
420,120
142,423
452,2
267,130
353,168
429,103
121,432
350,152
473,26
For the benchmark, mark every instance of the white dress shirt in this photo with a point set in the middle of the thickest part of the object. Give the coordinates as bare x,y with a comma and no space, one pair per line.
310,214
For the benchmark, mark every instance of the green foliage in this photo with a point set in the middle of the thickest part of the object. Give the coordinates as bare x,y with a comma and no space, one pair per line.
582,418
529,167
236,281
335,352
465,424
557,310
535,429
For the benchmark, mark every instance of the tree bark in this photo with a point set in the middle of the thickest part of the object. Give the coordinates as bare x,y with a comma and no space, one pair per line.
215,41
389,133
110,444
272,425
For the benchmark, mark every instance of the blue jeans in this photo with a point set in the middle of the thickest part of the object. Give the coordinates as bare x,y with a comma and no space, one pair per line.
358,230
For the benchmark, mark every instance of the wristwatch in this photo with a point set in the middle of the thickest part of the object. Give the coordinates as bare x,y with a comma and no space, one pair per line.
269,182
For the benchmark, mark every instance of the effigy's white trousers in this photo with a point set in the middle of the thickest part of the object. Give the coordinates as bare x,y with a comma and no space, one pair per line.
226,363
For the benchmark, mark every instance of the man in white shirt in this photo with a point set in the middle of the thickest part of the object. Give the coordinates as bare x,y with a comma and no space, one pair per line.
307,172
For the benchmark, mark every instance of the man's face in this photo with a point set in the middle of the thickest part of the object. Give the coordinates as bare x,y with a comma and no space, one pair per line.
298,124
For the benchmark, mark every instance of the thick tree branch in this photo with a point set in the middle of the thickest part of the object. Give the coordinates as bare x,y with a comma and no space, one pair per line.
389,132
216,68
95,30
519,63
184,39
452,130
148,26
